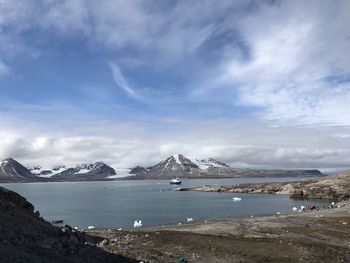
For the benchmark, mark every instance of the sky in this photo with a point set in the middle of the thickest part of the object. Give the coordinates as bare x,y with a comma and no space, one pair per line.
260,84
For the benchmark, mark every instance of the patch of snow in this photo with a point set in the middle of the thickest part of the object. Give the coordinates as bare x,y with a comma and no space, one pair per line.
121,173
206,163
54,171
83,171
176,157
167,164
3,164
36,171
15,171
91,227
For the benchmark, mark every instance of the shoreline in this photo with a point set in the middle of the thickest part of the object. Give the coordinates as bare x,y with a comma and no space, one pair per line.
312,236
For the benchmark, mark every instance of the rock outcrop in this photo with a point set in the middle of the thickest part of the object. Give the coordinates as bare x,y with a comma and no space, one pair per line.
335,187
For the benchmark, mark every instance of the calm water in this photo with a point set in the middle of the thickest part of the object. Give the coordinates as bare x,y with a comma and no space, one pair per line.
118,203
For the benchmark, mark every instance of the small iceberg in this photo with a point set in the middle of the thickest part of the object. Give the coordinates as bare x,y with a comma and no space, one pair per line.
137,223
91,227
236,199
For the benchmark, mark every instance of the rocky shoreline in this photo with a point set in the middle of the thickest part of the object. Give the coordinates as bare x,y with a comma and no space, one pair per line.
311,236
335,187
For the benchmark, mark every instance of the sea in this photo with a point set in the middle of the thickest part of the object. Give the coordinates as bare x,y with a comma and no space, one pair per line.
117,204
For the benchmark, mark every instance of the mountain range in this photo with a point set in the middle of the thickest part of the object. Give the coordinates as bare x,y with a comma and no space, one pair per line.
176,165
180,166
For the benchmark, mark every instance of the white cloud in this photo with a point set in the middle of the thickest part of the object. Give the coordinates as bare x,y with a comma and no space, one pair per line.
126,144
295,48
4,69
121,81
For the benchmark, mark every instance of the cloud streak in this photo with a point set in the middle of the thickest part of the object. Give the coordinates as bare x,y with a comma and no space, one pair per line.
121,81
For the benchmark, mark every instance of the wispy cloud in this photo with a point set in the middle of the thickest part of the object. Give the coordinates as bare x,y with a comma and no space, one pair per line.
4,69
294,50
121,81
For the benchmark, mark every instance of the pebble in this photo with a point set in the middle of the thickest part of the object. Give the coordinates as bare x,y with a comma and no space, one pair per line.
321,216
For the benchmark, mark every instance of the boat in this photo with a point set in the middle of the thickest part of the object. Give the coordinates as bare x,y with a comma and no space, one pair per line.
175,181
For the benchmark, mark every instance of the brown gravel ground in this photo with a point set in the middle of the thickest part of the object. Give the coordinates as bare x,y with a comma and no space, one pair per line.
313,236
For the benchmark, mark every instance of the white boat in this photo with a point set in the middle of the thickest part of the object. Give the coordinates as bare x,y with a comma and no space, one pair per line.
175,181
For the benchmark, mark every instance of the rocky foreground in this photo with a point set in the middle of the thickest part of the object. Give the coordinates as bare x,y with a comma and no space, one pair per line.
335,187
313,236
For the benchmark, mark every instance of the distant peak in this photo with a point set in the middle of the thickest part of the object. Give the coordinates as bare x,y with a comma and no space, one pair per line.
8,160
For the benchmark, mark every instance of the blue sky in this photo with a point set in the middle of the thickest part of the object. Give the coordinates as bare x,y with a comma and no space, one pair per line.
252,83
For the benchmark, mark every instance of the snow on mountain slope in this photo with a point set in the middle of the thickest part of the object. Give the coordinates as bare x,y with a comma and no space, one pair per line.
121,173
207,163
98,168
47,173
177,159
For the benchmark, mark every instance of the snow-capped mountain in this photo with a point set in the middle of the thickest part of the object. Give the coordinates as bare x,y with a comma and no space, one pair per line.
178,165
98,169
175,165
10,169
